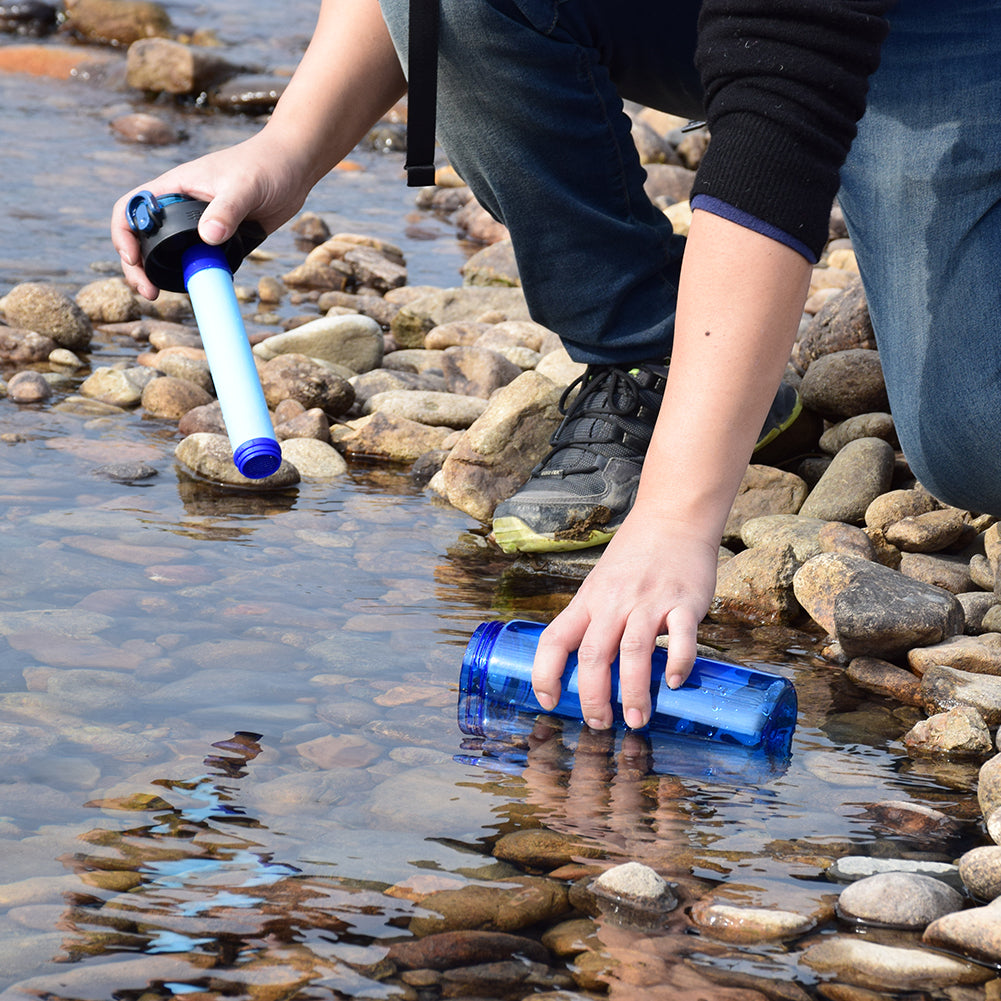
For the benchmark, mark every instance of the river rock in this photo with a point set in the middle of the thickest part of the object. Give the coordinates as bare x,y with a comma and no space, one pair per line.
978,654
857,475
980,871
494,265
885,967
210,456
943,688
976,606
24,347
248,93
989,785
884,678
434,409
479,226
755,587
28,387
108,300
185,363
959,732
30,18
495,455
421,361
849,868
354,341
118,387
160,65
450,949
297,377
419,316
145,129
207,418
633,894
841,324
541,848
375,307
307,424
384,380
44,309
476,371
975,932
116,22
898,900
560,367
763,491
802,534
459,333
874,425
949,572
172,398
896,505
315,460
748,924
520,902
845,384
386,436
927,533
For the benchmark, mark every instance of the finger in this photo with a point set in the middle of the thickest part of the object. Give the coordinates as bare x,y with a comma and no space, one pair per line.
558,640
635,651
598,648
682,628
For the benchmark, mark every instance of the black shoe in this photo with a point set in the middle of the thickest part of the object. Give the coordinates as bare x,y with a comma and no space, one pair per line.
583,489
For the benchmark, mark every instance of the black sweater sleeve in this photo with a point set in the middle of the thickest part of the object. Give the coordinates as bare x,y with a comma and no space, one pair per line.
785,85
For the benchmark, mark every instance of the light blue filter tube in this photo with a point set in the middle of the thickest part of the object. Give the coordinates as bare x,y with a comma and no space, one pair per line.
209,282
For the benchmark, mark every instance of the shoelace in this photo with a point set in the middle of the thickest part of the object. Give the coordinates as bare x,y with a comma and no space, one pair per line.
613,382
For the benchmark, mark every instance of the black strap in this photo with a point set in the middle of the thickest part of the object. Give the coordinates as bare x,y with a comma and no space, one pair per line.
422,92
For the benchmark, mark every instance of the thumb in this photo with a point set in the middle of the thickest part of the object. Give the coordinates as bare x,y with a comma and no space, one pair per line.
219,221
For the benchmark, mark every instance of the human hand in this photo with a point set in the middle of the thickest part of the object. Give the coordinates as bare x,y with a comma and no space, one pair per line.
250,180
654,577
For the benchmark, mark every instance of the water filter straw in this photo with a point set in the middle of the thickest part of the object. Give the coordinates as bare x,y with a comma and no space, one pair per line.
176,259
209,284
720,702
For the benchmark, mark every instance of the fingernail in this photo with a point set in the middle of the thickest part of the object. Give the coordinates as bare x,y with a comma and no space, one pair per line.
546,701
126,258
675,681
634,719
597,724
213,231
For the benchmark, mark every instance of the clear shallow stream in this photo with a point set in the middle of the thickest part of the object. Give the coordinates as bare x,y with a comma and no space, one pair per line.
227,721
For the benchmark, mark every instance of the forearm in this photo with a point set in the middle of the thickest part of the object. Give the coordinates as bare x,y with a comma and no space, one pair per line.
740,302
348,78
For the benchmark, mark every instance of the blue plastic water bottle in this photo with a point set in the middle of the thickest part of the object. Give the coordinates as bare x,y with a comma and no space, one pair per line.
176,259
722,703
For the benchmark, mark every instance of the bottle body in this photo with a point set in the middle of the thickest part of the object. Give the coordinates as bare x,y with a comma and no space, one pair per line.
719,702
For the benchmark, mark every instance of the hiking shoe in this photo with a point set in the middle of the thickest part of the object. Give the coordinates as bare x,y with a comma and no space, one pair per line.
581,492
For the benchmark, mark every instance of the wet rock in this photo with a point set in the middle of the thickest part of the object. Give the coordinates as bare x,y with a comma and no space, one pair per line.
978,654
571,937
29,18
296,377
116,22
144,129
28,387
521,902
160,65
845,384
476,371
975,932
446,950
885,967
46,310
315,460
950,573
540,848
802,534
960,732
884,678
857,475
494,457
207,418
109,300
756,587
898,900
353,341
943,688
849,868
875,425
308,424
172,398
248,94
126,471
633,894
210,456
749,924
980,871
763,491
841,324
419,316
24,347
434,409
394,438
185,363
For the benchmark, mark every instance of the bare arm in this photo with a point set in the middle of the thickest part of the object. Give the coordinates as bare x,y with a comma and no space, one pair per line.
348,77
739,305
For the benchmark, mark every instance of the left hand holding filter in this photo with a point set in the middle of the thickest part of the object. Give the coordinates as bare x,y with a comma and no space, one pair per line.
175,258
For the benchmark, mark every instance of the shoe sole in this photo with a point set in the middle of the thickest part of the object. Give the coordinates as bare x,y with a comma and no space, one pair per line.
774,432
514,536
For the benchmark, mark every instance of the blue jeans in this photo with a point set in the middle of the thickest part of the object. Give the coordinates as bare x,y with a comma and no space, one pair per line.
530,113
